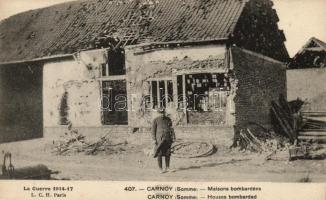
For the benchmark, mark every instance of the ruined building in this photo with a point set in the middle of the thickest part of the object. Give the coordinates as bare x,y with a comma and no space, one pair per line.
104,65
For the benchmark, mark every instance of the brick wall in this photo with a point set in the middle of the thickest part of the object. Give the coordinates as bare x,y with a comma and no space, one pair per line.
260,80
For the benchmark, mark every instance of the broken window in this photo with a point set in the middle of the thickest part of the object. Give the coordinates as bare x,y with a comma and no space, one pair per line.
161,93
115,65
203,92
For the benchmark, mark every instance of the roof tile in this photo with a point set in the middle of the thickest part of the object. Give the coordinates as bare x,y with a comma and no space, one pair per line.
68,27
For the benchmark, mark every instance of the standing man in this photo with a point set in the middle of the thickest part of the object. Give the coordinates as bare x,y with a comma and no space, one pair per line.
163,136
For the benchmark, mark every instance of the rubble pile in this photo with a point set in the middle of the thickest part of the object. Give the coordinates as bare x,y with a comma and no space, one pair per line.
277,147
261,142
313,151
74,142
306,130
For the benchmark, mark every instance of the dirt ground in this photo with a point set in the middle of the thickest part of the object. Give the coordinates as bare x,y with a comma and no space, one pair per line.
132,164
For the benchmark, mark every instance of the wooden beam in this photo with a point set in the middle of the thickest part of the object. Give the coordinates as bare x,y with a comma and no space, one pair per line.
107,69
151,94
313,133
201,71
184,93
101,95
168,78
166,93
158,94
315,138
113,78
175,91
46,58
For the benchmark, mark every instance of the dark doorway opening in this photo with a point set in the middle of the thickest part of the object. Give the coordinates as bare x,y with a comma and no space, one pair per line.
114,106
21,106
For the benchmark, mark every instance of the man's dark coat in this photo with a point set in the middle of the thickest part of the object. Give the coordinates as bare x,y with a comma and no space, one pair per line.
162,132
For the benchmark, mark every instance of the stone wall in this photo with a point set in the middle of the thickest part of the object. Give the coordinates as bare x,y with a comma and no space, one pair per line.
260,81
72,91
305,84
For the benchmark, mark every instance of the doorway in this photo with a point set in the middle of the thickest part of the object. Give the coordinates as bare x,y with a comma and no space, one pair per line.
114,102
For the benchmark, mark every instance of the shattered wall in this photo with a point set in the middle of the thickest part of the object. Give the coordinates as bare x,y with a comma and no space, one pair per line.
257,30
163,63
309,86
20,102
260,81
72,91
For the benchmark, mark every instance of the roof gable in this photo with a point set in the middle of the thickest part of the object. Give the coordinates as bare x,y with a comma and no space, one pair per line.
320,43
312,54
313,44
69,27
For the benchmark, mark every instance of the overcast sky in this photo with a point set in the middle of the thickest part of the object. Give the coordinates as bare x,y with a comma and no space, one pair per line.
300,19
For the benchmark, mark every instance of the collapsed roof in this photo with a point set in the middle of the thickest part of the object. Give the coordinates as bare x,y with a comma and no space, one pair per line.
69,27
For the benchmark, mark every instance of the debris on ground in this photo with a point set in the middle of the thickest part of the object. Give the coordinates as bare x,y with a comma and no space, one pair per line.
255,138
193,149
291,120
73,142
276,146
313,151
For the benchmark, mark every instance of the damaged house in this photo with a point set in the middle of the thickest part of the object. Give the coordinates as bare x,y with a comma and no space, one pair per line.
105,65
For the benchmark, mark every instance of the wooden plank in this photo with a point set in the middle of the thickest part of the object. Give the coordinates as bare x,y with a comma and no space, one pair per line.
285,127
314,114
113,78
184,93
158,94
107,68
313,130
102,103
323,138
308,112
165,78
166,93
312,134
200,71
175,91
284,105
151,94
